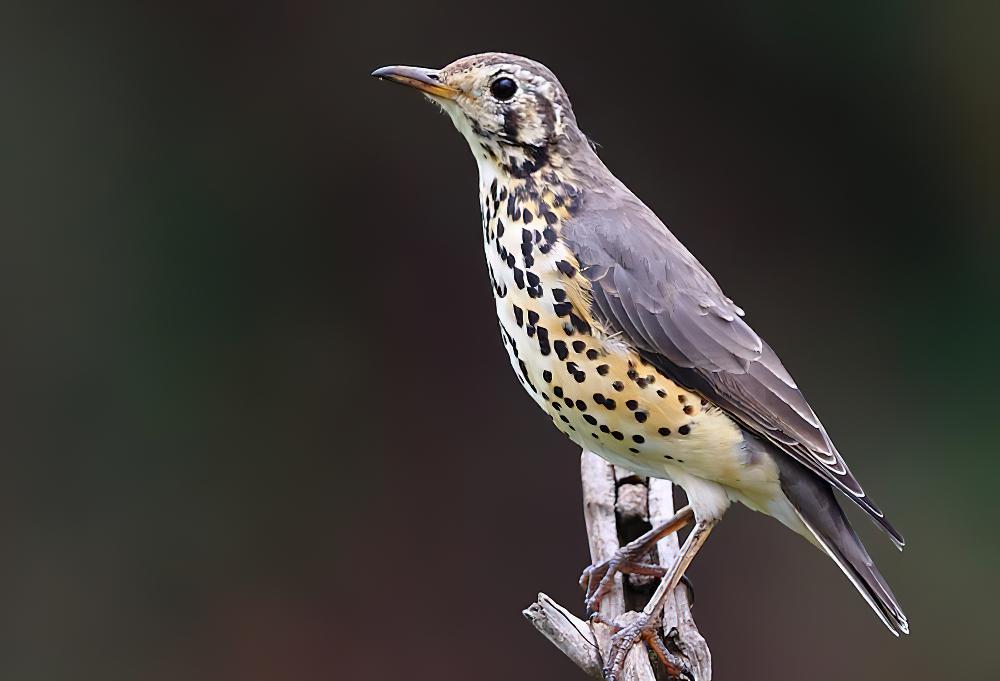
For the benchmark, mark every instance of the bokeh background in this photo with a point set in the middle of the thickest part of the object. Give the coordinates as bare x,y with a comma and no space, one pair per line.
236,444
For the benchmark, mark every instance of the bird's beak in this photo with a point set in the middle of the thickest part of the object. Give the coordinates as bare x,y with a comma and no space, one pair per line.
426,80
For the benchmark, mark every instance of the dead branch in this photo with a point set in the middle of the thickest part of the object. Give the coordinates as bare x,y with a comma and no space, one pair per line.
618,506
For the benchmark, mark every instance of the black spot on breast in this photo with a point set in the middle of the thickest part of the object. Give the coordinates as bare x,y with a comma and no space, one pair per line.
566,268
638,439
618,385
562,309
641,416
558,391
524,372
603,369
633,450
610,404
581,326
518,315
684,430
568,402
581,405
558,294
560,348
543,341
550,217
549,234
513,343
664,431
598,398
533,279
661,392
632,405
590,419
526,216
519,277
617,435
547,376
605,429
579,346
592,354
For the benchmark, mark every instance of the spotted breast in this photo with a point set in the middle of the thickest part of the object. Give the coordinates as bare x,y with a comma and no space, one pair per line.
596,388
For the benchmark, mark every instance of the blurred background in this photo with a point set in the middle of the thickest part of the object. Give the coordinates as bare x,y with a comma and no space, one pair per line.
235,446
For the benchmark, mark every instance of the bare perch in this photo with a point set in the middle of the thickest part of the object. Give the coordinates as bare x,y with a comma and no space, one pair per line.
617,507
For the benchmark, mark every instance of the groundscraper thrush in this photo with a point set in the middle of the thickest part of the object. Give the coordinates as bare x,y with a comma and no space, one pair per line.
626,341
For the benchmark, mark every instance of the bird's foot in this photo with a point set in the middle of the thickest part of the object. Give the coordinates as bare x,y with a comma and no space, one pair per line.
634,558
597,580
646,628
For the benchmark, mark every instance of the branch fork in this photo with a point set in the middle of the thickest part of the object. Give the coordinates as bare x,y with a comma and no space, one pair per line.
618,506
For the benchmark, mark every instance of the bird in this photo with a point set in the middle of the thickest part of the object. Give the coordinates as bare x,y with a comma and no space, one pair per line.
629,345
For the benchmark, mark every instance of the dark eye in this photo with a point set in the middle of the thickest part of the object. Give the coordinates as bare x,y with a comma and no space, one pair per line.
503,88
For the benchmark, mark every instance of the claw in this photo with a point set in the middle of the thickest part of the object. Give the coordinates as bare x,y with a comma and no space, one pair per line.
642,628
597,580
675,666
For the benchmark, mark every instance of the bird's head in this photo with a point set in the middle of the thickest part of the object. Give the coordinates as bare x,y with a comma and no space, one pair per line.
509,108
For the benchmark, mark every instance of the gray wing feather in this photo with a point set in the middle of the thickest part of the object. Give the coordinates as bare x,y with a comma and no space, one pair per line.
647,285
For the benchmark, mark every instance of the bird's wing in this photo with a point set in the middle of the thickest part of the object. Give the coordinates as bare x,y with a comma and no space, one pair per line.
646,284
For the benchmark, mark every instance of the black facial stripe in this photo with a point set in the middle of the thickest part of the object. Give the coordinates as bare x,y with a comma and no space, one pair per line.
510,119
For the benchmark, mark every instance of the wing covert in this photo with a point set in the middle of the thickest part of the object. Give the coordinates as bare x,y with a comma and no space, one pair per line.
647,285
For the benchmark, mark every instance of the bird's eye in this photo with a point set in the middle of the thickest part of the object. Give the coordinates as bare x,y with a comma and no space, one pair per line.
503,88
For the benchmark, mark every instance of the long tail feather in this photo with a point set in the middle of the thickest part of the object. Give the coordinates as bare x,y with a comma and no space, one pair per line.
817,508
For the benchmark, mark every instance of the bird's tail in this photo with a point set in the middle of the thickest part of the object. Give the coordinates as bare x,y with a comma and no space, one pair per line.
817,508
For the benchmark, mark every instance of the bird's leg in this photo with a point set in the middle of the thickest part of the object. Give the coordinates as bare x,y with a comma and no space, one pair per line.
597,580
645,626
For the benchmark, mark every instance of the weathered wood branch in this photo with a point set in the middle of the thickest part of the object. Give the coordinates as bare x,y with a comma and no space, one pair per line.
618,506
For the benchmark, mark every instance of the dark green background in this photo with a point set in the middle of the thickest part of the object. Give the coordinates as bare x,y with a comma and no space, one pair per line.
257,421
